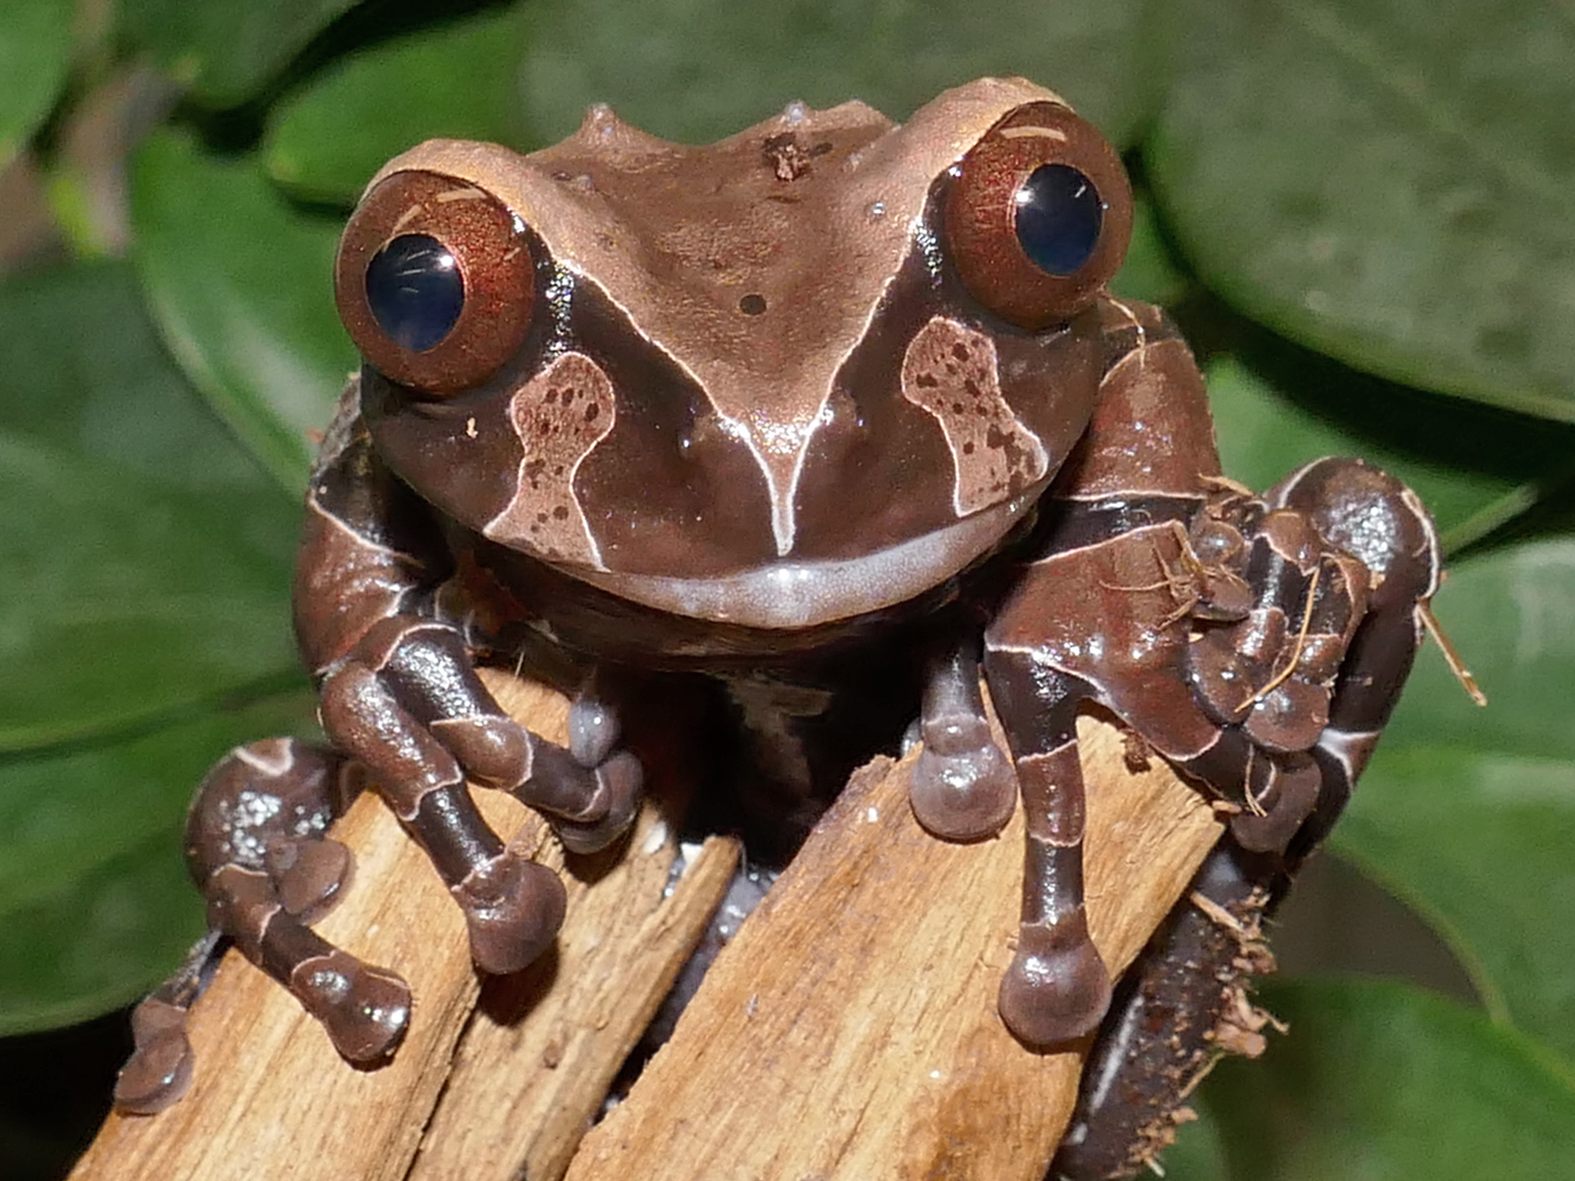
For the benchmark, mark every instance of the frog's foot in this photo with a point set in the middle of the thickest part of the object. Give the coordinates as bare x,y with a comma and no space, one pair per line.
1057,988
408,705
311,874
1338,557
1369,514
609,811
255,843
961,787
160,1067
159,1070
1266,680
1282,791
364,1010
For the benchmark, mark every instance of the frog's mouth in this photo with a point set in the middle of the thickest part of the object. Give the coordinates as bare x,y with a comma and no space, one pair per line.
790,595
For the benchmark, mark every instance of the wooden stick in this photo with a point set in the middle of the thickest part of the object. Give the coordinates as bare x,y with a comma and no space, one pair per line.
850,1030
272,1099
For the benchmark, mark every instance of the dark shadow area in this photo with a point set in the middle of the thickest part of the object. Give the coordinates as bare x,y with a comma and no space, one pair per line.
508,1000
54,1092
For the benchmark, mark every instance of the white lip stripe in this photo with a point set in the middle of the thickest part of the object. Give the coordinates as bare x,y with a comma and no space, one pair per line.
805,594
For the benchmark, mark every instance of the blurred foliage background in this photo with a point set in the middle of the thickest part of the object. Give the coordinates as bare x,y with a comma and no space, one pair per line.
1362,211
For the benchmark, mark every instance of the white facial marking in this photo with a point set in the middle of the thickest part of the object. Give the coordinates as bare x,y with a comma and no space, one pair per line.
560,415
951,371
804,594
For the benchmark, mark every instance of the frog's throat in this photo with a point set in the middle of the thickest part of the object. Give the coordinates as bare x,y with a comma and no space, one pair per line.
791,595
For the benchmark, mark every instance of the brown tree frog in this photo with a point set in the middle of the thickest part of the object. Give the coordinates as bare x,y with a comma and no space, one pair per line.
833,412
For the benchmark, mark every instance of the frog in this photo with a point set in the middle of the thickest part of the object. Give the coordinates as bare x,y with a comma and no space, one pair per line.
841,417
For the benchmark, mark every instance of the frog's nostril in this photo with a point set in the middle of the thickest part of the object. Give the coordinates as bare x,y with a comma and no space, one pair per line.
752,304
415,290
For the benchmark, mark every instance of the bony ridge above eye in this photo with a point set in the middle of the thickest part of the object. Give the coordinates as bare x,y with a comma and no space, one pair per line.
1038,216
435,281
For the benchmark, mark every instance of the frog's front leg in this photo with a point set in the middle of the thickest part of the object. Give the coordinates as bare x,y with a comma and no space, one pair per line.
1057,987
1100,614
401,696
1185,1001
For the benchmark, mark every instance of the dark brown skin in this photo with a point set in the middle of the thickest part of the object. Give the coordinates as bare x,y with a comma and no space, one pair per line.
797,412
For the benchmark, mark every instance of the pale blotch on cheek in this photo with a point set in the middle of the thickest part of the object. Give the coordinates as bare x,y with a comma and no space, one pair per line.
560,414
951,371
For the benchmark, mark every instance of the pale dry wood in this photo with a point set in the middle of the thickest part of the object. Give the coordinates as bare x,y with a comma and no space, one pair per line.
850,1030
271,1099
524,1091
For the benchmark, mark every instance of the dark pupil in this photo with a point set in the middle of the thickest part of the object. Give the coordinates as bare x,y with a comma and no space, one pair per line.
1058,217
415,290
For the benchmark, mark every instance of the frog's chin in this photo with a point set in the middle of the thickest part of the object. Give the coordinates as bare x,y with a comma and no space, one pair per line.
789,594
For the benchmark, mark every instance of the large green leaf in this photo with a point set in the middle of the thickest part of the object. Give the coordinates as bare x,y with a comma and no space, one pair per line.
225,50
95,903
1473,466
1393,183
458,80
697,70
1149,273
1382,1082
146,557
240,282
35,52
1197,1154
1469,814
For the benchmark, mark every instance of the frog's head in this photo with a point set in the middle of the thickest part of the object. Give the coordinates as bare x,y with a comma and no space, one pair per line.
804,373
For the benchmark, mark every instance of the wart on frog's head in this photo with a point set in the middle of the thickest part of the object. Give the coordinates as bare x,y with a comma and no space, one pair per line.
803,373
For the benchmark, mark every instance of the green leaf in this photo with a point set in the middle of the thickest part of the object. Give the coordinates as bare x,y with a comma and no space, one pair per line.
1197,1154
1511,612
698,70
1382,1082
35,53
1393,184
95,903
1472,466
240,282
457,80
147,557
1150,273
226,50
1469,814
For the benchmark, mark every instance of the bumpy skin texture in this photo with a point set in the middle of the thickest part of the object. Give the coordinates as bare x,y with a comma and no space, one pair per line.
794,413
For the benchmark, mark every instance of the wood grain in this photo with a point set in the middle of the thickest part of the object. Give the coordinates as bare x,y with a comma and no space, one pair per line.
849,1031
271,1099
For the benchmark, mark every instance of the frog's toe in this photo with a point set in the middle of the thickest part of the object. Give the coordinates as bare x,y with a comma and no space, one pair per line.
962,788
1286,792
311,875
159,1070
1057,989
364,1010
513,909
618,784
593,730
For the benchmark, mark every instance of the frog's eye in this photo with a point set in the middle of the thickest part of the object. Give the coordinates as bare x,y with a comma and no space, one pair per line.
435,282
1038,216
